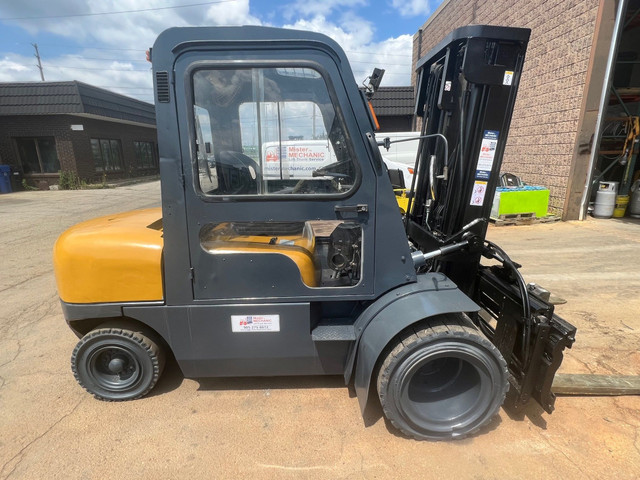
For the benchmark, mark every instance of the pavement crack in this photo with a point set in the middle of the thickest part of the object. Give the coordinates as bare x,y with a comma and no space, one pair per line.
584,364
14,357
569,459
33,277
20,455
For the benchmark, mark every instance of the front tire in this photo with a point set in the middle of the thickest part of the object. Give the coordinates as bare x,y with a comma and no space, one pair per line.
117,364
442,379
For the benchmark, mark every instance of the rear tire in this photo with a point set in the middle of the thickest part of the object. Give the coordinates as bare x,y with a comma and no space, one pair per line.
117,364
441,379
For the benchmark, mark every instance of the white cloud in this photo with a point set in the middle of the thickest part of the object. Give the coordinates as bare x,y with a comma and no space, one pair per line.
15,67
132,30
128,78
355,36
412,8
130,34
221,14
127,34
314,8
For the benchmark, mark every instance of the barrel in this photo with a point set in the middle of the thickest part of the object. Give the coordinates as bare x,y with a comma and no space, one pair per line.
605,200
621,206
634,203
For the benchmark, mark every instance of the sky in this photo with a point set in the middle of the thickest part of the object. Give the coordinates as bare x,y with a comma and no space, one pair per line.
103,43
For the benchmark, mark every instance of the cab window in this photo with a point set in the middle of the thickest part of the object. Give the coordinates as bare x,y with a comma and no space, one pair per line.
269,131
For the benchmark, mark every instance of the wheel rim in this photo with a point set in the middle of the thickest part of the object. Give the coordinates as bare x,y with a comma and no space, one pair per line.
114,368
445,392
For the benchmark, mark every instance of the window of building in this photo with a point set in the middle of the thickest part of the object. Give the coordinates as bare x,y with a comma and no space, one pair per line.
38,154
107,154
145,154
269,131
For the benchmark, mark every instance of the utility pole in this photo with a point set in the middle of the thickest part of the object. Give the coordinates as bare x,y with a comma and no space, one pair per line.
37,55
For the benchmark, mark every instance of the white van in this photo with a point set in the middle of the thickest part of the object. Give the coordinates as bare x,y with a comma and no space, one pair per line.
403,152
301,157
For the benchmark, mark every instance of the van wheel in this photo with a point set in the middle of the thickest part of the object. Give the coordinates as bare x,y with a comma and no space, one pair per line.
442,379
116,364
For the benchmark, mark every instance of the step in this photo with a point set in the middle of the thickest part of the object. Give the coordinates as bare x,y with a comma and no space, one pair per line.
327,332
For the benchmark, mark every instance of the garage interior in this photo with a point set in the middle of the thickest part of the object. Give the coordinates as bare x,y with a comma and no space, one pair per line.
615,162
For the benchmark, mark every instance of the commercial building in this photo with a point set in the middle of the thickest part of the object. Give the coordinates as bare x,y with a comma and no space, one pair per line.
394,107
49,127
579,98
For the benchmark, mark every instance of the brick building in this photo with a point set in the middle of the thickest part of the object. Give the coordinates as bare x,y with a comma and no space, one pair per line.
394,108
48,127
555,132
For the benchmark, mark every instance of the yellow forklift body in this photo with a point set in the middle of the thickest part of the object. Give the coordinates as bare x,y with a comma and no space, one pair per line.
299,248
116,258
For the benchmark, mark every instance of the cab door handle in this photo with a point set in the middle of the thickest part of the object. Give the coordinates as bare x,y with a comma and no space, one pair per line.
359,208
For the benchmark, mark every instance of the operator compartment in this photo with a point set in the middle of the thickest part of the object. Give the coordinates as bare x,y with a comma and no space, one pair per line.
326,253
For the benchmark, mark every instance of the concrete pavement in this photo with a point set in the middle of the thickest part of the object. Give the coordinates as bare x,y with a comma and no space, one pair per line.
302,427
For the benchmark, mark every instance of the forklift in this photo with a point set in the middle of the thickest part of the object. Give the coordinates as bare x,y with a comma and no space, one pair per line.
259,264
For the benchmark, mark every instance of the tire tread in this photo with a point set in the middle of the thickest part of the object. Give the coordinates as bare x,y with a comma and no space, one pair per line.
155,353
449,325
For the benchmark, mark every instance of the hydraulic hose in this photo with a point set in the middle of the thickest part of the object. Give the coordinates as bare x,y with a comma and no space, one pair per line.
502,257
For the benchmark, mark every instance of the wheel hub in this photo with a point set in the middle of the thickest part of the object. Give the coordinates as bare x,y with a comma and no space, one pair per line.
116,365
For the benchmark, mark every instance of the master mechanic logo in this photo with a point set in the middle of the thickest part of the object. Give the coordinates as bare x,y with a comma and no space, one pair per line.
272,156
247,321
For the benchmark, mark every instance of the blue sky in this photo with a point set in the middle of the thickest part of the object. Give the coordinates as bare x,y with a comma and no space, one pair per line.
107,49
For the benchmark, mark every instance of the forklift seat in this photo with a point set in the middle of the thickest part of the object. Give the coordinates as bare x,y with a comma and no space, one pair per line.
240,174
295,240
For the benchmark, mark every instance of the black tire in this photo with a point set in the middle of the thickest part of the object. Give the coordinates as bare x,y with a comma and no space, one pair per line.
441,379
117,364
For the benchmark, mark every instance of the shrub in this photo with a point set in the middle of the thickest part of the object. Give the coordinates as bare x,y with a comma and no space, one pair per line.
69,180
26,186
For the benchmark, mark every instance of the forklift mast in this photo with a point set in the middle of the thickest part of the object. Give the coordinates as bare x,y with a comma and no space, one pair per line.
466,92
465,97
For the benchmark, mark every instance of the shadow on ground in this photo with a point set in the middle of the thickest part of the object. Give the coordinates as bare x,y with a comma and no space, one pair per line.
532,411
172,379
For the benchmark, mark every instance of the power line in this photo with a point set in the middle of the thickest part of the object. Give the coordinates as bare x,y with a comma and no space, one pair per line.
380,54
125,88
53,45
115,13
380,63
102,69
120,60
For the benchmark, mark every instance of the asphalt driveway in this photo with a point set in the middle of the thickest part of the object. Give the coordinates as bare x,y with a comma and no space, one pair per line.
302,427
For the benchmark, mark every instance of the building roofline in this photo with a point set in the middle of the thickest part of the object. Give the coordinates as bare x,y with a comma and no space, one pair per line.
433,16
72,97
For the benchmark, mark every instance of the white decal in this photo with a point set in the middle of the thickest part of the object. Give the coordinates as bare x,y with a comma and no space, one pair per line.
255,323
508,78
487,154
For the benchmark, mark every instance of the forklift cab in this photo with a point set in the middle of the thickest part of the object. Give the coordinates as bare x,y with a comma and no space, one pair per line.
272,153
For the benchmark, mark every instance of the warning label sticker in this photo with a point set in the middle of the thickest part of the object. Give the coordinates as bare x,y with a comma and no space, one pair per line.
255,323
508,77
479,191
487,154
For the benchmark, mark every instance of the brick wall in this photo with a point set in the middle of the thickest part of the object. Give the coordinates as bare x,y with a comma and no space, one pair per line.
73,147
127,134
397,123
548,107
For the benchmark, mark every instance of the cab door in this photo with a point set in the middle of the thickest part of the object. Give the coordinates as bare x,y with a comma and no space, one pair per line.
278,194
